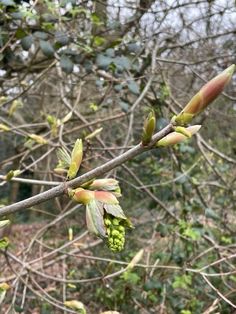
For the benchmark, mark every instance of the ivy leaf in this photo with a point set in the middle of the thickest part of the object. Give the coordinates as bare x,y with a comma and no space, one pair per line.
41,35
66,64
46,48
61,38
7,2
103,62
122,63
26,42
133,87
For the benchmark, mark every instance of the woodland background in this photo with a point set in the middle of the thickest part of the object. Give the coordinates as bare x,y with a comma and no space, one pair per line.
69,68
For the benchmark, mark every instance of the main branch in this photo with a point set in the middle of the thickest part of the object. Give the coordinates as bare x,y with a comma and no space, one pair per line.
96,172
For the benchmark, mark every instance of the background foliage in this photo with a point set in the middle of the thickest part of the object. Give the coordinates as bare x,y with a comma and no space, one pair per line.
69,68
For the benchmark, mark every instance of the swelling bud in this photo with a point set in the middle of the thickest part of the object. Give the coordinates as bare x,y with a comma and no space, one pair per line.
209,92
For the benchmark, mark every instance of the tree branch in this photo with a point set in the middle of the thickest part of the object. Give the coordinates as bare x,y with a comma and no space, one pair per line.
96,172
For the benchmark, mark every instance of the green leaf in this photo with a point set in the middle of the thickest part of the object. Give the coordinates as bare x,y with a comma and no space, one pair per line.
46,48
133,87
61,38
94,219
210,213
124,106
7,2
41,35
183,282
66,64
4,242
27,42
20,33
103,62
122,63
131,277
99,41
115,210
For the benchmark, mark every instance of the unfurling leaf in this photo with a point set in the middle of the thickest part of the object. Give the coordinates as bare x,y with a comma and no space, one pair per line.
76,159
104,216
64,159
209,92
108,184
148,128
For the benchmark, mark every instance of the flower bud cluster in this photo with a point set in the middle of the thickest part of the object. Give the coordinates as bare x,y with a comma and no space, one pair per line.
115,229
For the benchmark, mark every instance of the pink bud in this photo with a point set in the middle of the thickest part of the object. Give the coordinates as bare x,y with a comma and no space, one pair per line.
209,92
83,196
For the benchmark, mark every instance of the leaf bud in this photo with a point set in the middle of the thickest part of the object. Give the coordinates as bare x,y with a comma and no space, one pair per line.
148,128
76,159
209,92
176,137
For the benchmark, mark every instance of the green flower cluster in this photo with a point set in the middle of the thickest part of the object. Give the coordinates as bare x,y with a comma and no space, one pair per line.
115,229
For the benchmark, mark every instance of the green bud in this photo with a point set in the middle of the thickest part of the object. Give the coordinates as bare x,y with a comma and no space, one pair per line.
107,222
148,128
76,159
115,233
122,229
116,222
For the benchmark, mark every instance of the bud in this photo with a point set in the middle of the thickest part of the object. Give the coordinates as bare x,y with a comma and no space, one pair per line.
4,127
38,139
148,128
76,158
4,223
93,134
82,196
4,286
3,290
183,130
209,92
76,305
59,171
176,137
135,260
11,174
70,234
